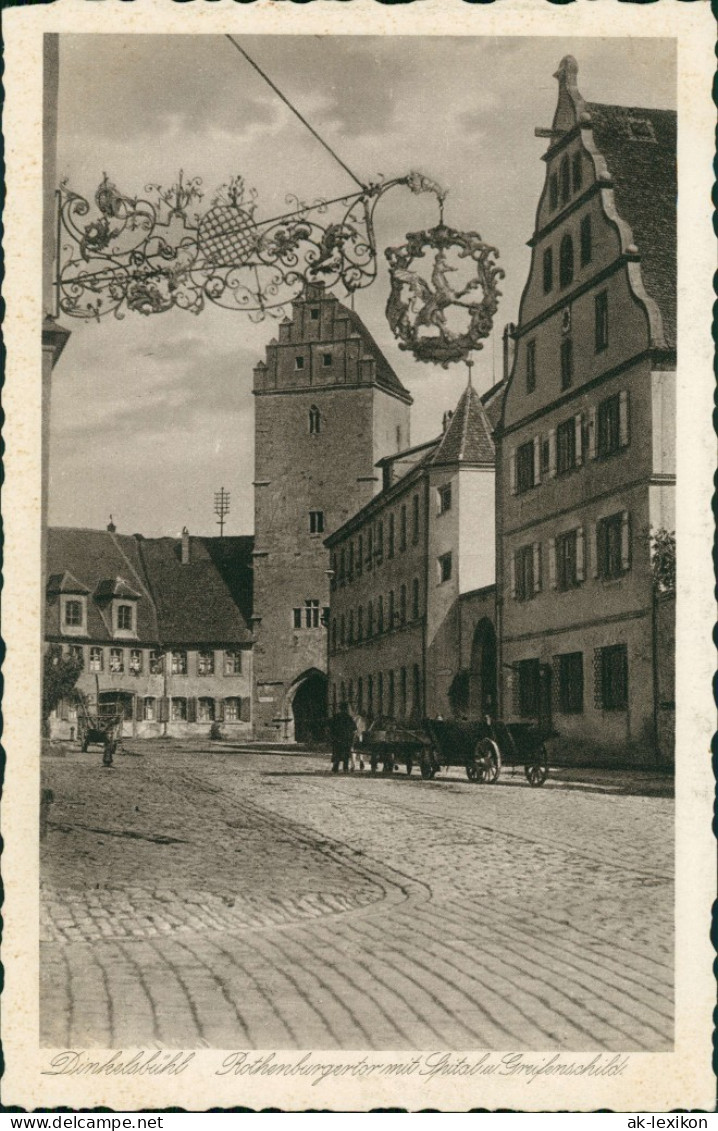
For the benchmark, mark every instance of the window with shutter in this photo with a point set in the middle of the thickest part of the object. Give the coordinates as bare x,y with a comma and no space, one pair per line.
192,710
552,563
219,710
570,683
537,567
245,705
578,429
139,708
623,419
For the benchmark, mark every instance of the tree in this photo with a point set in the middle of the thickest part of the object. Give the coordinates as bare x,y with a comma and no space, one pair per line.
60,674
663,561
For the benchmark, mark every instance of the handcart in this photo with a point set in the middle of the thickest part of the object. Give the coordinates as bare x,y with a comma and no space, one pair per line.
483,747
100,728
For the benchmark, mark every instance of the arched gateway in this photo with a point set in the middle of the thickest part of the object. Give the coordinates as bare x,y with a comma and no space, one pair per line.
482,677
308,706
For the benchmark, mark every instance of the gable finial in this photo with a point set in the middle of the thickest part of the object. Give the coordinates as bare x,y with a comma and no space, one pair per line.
567,72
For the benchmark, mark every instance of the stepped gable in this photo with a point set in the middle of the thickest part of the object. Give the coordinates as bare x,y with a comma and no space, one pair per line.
639,147
194,602
94,558
468,437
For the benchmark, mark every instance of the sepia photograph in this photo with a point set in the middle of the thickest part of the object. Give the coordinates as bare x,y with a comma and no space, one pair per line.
358,510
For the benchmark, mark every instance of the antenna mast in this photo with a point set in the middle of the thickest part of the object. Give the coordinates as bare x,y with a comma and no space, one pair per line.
221,508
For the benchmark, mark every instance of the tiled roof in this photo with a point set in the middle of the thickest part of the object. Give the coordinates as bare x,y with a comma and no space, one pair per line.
206,601
639,146
468,437
385,375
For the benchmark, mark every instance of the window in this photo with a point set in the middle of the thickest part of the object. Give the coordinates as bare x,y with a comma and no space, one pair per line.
566,446
342,630
205,710
179,709
96,660
444,496
149,709
402,605
334,635
73,613
350,628
117,661
380,614
567,572
553,192
314,314
325,616
315,422
136,661
415,519
612,424
613,545
205,663
601,321
565,179
566,363
360,696
525,467
299,362
326,360
157,662
76,651
369,694
390,707
124,617
570,683
369,620
232,709
444,568
307,615
565,262
391,536
360,624
415,599
391,614
179,663
360,555
613,677
369,548
380,542
316,522
524,567
528,687
402,529
342,566
232,663
577,171
547,270
586,241
416,690
380,693
402,693
530,366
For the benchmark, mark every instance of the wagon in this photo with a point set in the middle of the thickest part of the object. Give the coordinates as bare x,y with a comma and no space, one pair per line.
483,747
393,744
101,728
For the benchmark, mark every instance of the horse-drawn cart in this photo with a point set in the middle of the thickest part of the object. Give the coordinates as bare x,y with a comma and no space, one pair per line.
484,747
100,728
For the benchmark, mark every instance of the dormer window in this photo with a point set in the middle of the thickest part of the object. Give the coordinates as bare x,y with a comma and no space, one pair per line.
124,616
73,615
124,620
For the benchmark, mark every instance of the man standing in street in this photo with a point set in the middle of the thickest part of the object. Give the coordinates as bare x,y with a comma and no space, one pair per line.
342,737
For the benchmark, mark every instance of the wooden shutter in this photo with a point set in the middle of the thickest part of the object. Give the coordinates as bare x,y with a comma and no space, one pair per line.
512,470
537,459
552,453
164,709
578,421
591,429
139,708
625,540
537,567
593,536
623,419
191,709
245,707
219,710
580,555
598,678
513,576
552,562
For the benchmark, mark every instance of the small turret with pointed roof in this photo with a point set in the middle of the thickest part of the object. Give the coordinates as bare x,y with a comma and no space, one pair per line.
468,437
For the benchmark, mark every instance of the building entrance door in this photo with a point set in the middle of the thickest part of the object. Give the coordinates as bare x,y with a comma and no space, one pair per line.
482,678
309,707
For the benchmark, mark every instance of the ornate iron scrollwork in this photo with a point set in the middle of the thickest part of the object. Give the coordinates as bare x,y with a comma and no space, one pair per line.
418,308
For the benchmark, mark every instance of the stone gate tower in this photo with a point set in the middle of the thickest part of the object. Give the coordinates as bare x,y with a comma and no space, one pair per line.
328,407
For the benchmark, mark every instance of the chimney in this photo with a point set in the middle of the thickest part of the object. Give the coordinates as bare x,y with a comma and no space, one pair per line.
447,419
509,347
185,546
111,526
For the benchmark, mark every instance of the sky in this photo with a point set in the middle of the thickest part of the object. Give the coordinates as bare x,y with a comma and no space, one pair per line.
152,415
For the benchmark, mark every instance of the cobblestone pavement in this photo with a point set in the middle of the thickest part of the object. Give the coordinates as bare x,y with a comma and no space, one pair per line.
197,896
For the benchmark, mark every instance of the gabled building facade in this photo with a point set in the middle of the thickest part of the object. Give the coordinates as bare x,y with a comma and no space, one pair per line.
402,564
586,442
161,626
328,407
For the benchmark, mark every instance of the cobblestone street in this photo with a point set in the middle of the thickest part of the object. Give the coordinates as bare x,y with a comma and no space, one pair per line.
195,895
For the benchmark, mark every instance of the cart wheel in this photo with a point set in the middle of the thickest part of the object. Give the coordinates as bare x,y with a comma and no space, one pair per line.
472,770
409,767
537,772
487,761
